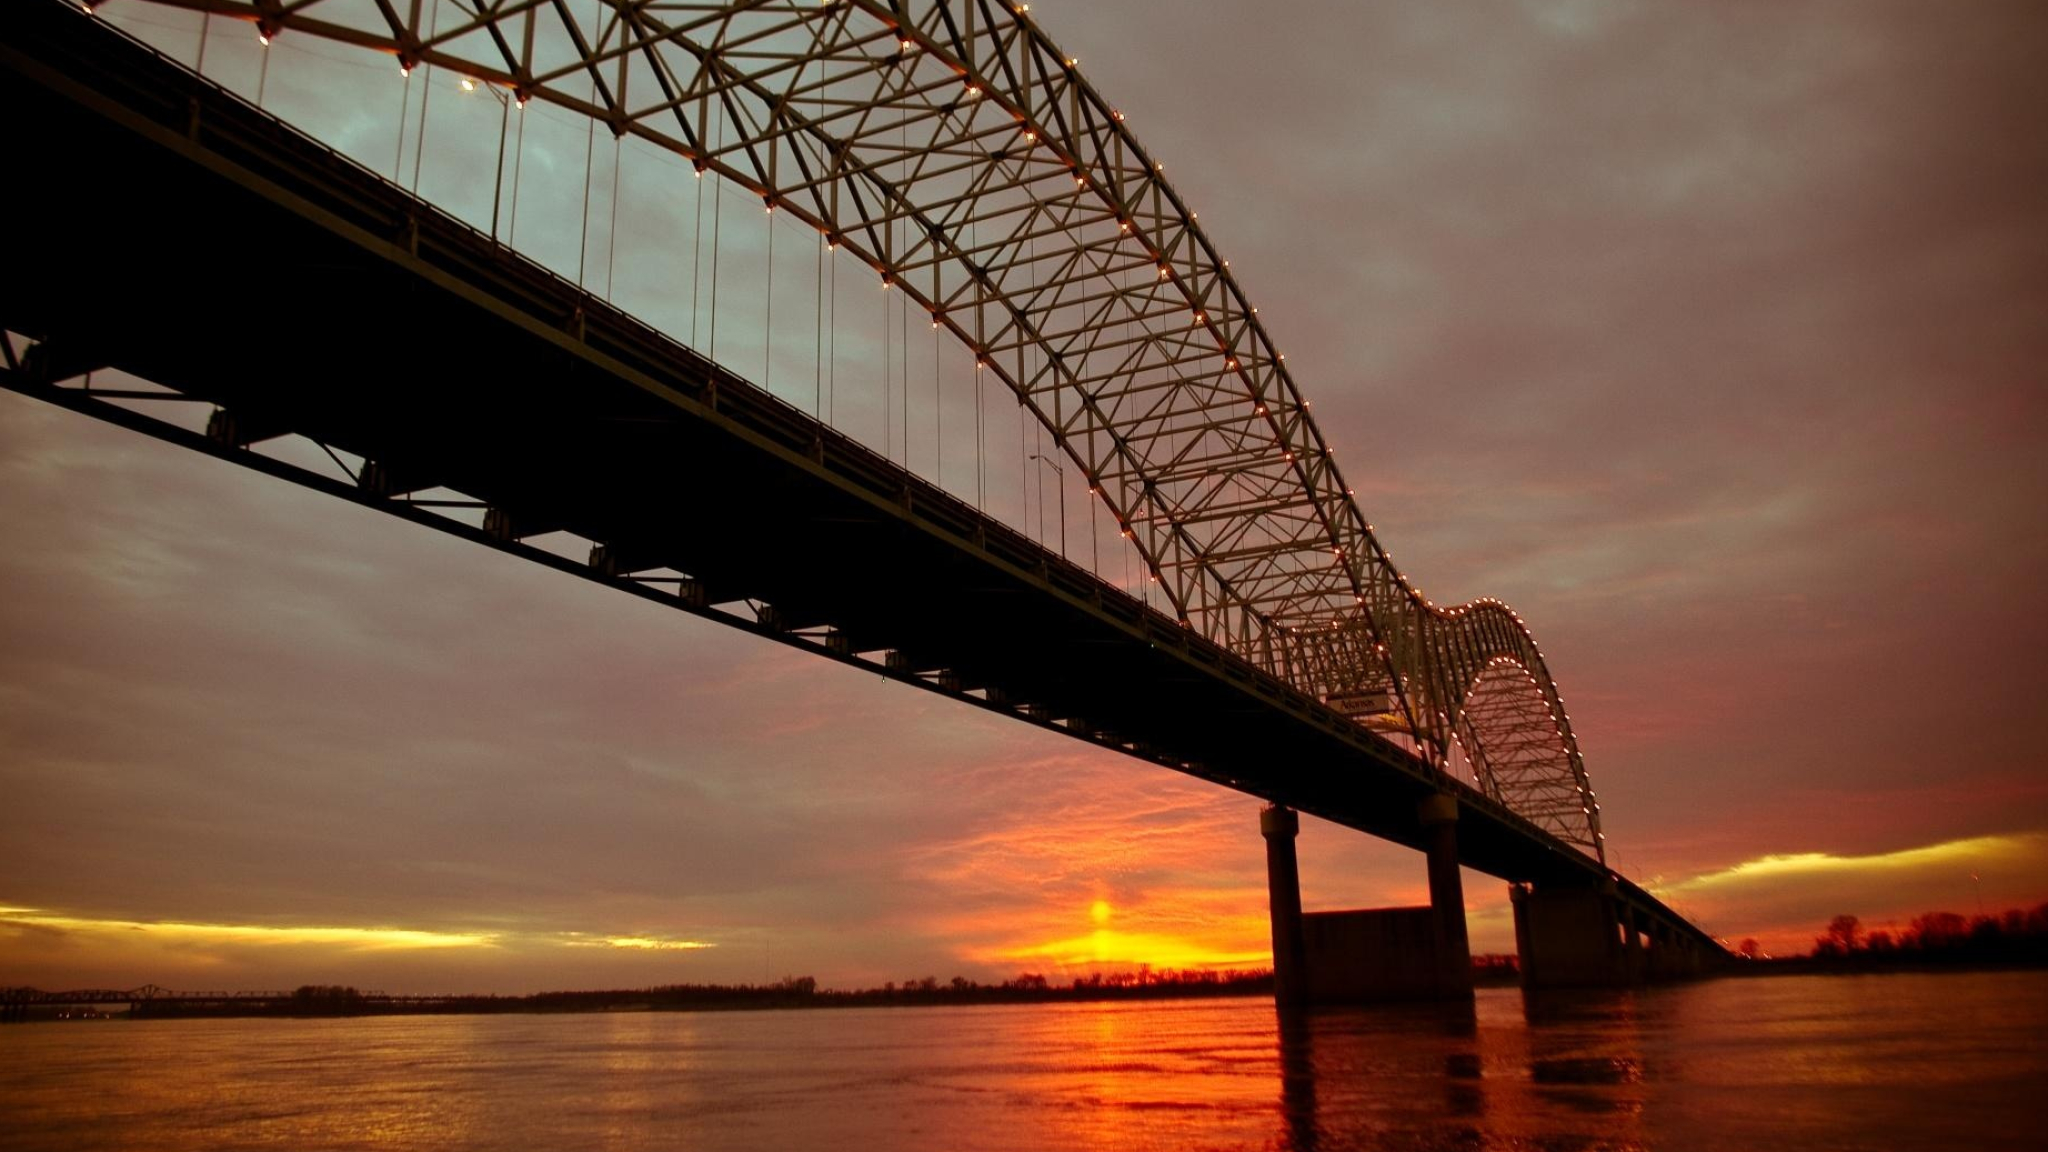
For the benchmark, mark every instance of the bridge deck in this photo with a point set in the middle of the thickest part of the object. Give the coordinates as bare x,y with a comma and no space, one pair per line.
180,235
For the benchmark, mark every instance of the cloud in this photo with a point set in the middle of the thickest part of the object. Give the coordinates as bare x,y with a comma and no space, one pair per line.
1785,899
639,943
1977,852
102,932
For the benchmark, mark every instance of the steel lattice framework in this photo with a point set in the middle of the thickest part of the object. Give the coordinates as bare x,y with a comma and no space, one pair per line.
952,147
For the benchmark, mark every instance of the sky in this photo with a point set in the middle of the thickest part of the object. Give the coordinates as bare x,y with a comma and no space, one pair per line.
1710,337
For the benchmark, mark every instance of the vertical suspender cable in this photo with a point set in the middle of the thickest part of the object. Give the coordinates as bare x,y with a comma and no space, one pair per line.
583,239
518,164
818,339
1038,475
903,249
980,424
717,212
832,349
419,145
404,106
611,256
903,315
888,396
498,185
263,78
697,254
1023,470
980,445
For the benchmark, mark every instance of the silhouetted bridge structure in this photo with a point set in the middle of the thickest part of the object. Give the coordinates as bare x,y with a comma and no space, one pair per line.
18,1004
248,285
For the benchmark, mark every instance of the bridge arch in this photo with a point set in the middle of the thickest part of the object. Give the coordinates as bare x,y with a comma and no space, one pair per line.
1515,736
953,148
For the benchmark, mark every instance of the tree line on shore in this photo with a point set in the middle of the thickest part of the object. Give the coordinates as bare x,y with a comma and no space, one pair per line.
2017,935
788,992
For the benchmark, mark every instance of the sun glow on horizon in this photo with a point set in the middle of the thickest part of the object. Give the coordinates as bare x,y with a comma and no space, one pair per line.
1109,948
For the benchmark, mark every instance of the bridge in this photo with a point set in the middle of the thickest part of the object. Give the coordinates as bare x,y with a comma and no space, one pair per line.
19,1004
205,274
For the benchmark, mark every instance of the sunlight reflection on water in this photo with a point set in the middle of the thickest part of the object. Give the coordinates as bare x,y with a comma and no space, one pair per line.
1895,1061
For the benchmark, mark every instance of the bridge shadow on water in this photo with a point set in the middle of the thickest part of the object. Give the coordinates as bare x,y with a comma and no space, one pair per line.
1564,1072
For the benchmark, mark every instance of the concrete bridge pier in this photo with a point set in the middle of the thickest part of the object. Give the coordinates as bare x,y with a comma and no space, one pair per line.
1590,937
1672,956
1635,965
1375,954
1283,899
1453,963
1570,937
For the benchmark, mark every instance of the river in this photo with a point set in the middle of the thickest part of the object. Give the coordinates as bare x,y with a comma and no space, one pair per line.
1895,1061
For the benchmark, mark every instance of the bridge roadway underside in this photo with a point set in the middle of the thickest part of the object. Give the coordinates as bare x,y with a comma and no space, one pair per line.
164,228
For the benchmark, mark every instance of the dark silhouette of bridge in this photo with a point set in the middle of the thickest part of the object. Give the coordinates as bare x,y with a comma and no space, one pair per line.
454,383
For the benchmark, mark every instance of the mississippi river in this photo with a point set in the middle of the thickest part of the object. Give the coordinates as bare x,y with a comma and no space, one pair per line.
1903,1061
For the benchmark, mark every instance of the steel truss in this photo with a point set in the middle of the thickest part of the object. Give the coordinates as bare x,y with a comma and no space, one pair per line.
952,147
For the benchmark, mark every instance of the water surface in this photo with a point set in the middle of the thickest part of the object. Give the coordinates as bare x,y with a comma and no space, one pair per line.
1896,1061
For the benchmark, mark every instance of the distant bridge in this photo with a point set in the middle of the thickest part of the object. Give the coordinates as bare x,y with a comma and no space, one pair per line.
17,1004
249,289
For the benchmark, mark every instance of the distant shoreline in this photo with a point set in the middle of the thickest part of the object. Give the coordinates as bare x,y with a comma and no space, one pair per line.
315,1001
324,1001
1865,965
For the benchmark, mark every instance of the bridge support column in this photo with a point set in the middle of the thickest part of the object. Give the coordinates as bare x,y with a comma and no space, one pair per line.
1373,954
1283,900
1568,938
1447,898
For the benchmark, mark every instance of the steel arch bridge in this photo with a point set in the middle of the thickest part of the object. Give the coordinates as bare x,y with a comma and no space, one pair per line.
954,149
